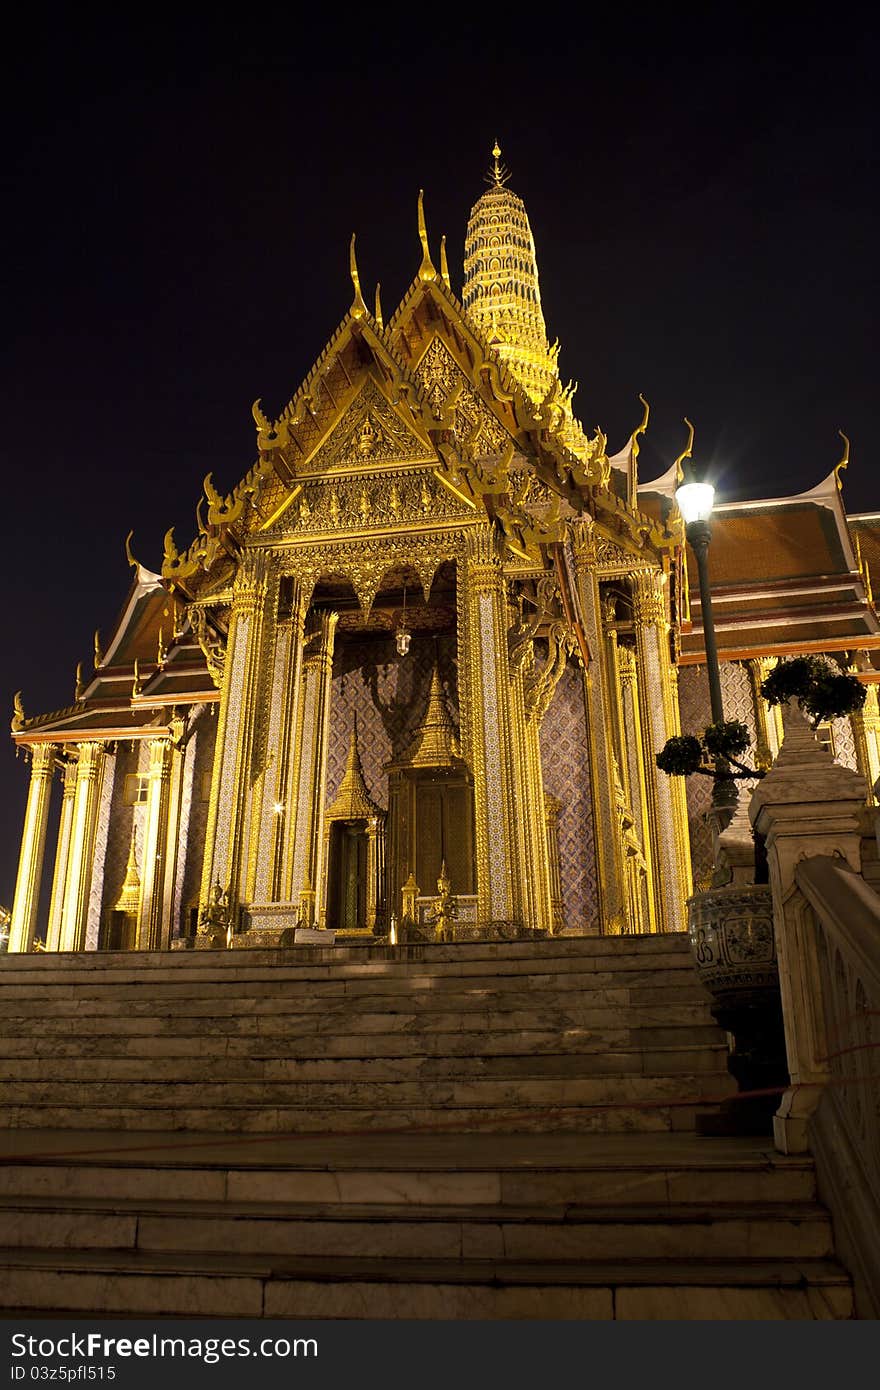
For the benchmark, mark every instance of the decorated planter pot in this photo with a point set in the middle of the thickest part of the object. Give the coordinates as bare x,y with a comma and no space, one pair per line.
732,940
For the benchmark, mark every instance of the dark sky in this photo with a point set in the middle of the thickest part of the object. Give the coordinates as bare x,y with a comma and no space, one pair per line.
179,200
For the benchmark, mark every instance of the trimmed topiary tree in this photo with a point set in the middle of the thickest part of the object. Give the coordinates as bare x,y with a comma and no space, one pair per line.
821,692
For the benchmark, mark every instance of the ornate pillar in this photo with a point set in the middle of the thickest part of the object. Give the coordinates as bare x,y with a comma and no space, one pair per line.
552,807
864,724
489,744
639,774
609,861
311,772
153,931
768,730
276,808
667,812
528,781
86,799
33,845
239,712
62,856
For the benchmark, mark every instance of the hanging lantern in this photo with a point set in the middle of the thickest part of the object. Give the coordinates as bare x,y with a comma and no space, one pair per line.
402,635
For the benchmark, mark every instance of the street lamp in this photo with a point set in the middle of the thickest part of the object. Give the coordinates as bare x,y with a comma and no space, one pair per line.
695,498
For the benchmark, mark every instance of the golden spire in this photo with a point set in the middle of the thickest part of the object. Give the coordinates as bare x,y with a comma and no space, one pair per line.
358,308
80,687
99,655
435,743
501,291
499,174
444,264
426,269
378,314
130,893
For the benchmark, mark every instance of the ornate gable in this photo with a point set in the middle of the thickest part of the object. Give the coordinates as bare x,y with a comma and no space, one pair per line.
368,436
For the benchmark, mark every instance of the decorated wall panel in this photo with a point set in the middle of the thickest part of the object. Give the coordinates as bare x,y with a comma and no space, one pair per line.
566,772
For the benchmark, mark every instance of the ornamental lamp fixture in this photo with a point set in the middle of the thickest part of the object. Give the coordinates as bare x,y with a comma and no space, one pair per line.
402,635
695,498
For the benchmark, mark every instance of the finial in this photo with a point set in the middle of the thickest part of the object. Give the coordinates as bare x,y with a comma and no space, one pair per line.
19,717
426,269
499,173
80,688
99,655
444,264
136,687
358,307
378,314
162,650
128,555
686,452
844,461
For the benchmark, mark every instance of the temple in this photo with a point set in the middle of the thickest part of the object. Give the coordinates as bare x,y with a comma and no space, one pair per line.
409,679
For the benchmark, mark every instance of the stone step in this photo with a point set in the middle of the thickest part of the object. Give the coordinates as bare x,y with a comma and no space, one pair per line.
439,1169
606,1060
141,1000
169,989
275,1022
544,1091
230,1117
361,954
474,1041
720,1231
163,1283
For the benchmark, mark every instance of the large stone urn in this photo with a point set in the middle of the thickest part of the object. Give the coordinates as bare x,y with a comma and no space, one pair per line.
730,927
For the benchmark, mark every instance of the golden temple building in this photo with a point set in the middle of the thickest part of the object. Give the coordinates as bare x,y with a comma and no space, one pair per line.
410,677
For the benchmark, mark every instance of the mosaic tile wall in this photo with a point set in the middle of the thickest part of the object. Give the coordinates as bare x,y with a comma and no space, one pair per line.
693,694
389,695
566,769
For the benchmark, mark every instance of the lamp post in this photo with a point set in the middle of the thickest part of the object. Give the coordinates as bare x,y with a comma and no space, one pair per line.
695,498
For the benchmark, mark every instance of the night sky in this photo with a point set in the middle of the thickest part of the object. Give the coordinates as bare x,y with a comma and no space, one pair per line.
179,201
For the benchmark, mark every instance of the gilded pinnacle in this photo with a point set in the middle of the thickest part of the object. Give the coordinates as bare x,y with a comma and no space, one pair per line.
426,269
358,308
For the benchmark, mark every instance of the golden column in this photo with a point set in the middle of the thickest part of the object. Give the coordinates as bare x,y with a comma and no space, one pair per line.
609,857
486,727
639,774
275,807
62,856
153,932
33,845
864,725
240,709
86,800
667,810
768,731
310,776
552,807
529,785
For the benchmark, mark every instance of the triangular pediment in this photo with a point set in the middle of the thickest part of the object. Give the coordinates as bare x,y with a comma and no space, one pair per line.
370,434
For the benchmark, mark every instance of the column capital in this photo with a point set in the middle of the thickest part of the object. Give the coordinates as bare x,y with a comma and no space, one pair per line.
43,758
583,542
649,598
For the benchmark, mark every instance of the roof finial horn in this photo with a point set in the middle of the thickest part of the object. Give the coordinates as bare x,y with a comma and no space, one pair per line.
378,314
685,453
426,269
358,308
499,173
444,265
844,461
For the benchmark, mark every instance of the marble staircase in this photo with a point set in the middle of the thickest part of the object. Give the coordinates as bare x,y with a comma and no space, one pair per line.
498,1130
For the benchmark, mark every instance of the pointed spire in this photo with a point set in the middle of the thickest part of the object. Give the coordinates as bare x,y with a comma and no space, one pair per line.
435,743
499,173
378,314
501,291
130,893
426,269
358,308
444,264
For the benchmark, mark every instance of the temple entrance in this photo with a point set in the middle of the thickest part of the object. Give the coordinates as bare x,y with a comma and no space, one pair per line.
348,879
118,931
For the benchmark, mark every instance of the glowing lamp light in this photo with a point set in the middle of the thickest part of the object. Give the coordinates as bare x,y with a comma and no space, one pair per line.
695,501
402,635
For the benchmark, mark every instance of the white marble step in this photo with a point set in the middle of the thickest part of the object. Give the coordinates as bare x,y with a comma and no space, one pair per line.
367,953
413,1169
167,988
472,1040
605,1060
141,1284
451,1115
692,1232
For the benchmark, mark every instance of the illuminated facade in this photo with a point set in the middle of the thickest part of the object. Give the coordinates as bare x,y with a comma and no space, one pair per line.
412,672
